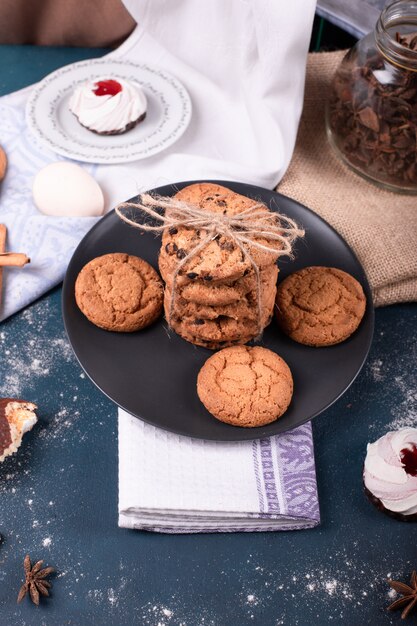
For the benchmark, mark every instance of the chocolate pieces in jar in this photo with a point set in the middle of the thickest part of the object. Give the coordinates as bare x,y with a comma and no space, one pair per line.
372,108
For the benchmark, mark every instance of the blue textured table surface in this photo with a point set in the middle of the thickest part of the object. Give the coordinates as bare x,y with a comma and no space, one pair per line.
58,495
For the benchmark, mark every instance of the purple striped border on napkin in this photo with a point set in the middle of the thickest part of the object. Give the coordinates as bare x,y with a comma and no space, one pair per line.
286,477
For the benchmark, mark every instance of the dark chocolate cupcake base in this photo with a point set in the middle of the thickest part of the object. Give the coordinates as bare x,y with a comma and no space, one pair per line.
378,504
115,132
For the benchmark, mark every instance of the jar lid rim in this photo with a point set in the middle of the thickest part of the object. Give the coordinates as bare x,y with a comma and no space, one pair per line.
392,49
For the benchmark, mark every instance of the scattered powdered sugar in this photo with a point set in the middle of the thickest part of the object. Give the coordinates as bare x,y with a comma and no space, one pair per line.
112,594
330,586
34,362
395,384
176,614
328,583
46,542
96,595
405,414
375,367
392,594
26,362
112,597
346,585
151,613
59,423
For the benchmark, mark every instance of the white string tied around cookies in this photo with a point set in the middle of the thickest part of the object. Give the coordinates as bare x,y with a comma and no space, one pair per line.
243,230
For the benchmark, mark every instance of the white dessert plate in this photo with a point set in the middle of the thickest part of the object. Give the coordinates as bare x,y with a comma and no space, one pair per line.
50,120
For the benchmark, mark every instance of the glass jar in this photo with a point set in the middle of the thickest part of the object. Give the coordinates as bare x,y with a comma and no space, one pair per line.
371,113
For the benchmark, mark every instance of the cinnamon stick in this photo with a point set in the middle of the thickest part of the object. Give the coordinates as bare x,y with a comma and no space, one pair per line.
3,235
3,163
13,259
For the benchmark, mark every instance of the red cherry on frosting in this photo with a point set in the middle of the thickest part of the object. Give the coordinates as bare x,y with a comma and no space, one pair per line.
107,87
408,458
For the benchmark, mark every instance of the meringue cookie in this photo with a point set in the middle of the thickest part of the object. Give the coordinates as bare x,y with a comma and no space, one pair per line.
390,472
107,106
66,190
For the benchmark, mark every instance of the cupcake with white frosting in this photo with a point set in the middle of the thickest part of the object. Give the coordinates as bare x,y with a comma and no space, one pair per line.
108,106
390,474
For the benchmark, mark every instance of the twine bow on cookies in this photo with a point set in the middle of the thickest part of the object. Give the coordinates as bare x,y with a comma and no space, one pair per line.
245,230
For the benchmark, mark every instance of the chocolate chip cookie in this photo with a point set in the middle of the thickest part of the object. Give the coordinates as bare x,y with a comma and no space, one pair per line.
221,259
220,329
245,386
320,306
246,307
119,292
206,293
214,333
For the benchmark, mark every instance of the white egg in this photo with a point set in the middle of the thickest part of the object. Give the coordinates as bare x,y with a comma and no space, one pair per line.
67,190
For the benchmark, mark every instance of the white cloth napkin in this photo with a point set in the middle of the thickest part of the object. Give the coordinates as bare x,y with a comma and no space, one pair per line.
171,483
243,64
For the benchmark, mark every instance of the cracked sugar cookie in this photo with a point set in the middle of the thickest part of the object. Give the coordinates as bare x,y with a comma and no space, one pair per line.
245,386
17,417
319,306
119,292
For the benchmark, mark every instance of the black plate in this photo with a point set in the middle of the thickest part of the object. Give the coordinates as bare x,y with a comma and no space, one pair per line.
152,373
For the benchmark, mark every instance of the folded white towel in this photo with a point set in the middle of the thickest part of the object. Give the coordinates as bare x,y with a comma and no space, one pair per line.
172,483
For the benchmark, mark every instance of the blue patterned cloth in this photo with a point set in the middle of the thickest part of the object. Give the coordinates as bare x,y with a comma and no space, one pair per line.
48,241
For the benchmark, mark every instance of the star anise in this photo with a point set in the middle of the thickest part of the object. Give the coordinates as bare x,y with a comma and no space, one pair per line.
409,593
35,582
408,41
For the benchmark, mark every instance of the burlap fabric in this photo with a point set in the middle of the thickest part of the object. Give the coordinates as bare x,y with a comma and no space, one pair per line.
380,226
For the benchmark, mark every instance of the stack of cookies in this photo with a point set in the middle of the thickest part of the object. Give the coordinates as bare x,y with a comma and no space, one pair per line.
216,291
